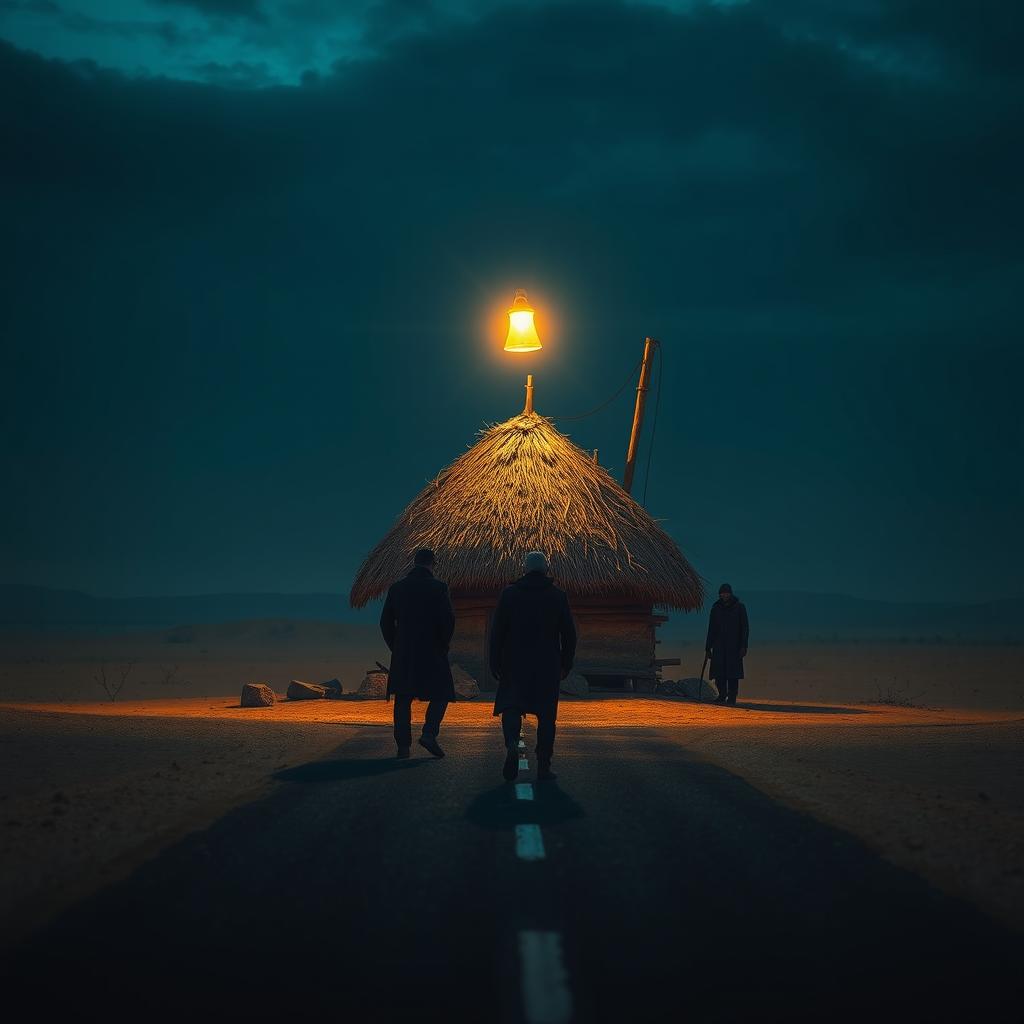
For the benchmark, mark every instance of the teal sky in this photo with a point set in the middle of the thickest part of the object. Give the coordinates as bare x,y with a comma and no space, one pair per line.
258,43
254,252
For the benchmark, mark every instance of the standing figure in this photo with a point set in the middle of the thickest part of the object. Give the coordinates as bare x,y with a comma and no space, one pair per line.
533,643
726,646
417,624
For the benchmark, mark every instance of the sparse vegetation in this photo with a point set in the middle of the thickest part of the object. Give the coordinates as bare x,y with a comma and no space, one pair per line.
108,685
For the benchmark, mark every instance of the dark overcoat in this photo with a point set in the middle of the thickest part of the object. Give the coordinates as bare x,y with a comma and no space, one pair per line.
533,644
728,632
417,624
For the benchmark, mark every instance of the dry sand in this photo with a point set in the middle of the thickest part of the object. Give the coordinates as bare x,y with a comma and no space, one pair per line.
91,789
189,661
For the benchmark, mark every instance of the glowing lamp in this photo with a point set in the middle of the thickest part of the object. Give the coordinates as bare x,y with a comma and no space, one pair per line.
522,334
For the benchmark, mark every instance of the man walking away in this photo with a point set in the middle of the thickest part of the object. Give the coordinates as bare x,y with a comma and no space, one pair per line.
728,632
533,643
417,624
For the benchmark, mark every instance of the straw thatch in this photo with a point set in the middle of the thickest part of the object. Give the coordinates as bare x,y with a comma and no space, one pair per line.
524,486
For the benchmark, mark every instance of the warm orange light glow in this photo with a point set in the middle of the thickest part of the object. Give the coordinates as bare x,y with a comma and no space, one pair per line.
522,333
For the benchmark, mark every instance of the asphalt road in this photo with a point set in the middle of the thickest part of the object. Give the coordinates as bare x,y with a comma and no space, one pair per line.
642,885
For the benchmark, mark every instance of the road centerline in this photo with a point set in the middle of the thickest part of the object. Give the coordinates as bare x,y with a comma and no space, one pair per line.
529,842
524,791
546,995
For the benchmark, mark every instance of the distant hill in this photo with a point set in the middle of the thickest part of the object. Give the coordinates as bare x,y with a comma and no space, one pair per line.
775,615
41,606
793,615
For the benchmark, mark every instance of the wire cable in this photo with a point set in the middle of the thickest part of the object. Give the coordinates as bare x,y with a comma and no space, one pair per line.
605,404
654,425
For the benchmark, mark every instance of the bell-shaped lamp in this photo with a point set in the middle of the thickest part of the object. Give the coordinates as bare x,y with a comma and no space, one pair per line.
522,334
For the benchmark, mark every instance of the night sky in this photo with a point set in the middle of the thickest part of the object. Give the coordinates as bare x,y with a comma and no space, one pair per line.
256,256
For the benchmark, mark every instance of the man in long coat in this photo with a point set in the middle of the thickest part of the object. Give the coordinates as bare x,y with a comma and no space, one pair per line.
417,624
726,646
533,643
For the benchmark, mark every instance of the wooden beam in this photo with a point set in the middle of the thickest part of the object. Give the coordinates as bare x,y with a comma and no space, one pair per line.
638,413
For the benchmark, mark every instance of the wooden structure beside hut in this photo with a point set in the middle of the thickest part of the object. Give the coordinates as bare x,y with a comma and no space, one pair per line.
525,486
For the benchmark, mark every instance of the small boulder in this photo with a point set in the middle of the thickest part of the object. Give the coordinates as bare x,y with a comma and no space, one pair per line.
374,684
257,695
298,690
575,685
333,687
698,689
466,687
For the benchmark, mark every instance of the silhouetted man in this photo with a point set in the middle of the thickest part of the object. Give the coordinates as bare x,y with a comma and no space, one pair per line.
533,643
726,646
417,623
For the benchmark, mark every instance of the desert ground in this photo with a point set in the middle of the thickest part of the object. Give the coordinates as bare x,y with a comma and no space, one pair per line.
188,661
929,776
862,800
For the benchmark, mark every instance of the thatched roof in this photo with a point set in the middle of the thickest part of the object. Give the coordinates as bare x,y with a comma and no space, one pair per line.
524,486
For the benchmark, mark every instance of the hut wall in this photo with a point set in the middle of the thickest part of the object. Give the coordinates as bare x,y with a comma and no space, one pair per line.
469,644
614,640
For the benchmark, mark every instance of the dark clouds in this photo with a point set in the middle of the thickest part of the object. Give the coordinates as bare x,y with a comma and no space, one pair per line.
251,9
229,303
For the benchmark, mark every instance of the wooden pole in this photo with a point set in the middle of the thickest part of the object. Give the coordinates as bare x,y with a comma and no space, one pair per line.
638,413
529,394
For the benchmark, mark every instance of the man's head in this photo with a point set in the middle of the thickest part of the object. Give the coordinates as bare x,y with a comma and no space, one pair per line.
537,561
725,593
424,557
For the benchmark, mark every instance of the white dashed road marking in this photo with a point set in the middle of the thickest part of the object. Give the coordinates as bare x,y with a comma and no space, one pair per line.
529,844
524,791
546,996
522,745
523,764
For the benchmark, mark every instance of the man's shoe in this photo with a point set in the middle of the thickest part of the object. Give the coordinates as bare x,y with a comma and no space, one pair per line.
731,702
510,770
430,743
403,753
544,772
721,699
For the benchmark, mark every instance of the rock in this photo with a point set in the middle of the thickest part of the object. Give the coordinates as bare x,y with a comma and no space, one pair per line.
257,695
298,690
466,687
374,684
333,687
697,689
575,684
670,688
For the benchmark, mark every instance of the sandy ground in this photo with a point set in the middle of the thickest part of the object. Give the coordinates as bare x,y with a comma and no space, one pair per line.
189,661
91,789
84,799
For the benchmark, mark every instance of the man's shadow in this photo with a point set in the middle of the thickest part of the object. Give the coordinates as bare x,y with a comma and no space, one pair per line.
500,808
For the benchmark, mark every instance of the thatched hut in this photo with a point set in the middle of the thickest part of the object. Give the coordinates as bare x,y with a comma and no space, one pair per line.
525,486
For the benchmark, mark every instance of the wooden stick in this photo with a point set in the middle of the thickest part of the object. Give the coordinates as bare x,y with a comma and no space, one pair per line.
529,394
638,413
